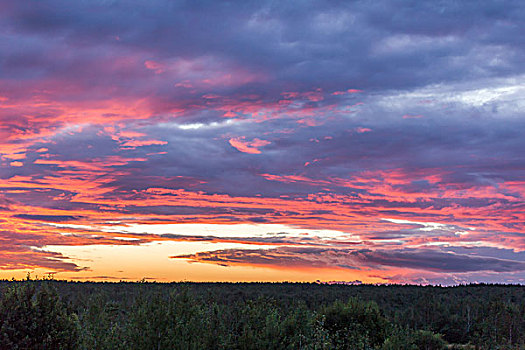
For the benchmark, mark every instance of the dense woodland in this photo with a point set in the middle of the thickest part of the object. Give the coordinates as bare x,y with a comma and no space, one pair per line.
48,314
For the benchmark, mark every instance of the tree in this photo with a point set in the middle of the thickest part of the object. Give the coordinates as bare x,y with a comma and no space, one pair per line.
355,325
35,318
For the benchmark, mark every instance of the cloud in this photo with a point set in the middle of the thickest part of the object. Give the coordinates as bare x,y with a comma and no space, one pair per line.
16,254
295,257
47,218
248,146
157,67
318,115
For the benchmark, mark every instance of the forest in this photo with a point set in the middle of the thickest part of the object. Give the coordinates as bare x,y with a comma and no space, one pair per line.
51,314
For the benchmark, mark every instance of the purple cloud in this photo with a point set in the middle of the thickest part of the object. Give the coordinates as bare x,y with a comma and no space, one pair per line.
340,116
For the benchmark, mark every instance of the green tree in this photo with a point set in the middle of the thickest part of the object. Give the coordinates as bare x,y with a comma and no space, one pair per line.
102,325
426,340
33,317
355,325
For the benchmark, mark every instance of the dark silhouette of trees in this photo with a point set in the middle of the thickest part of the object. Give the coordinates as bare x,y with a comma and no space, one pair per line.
33,317
66,315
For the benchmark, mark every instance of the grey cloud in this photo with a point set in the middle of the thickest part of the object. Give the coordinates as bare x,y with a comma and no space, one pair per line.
422,259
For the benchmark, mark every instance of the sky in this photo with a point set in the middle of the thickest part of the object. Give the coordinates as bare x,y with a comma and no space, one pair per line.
373,141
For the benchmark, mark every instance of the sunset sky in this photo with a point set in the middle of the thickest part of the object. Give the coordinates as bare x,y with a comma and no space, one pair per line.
379,141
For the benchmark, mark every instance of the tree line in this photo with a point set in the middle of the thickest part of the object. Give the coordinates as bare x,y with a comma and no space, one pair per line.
48,314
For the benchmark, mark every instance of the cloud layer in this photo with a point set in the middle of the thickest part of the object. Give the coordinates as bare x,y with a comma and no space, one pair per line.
397,125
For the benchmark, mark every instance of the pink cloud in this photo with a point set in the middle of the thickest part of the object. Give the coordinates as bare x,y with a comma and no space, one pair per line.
157,67
309,122
313,96
349,91
412,116
184,84
204,72
248,146
139,143
294,178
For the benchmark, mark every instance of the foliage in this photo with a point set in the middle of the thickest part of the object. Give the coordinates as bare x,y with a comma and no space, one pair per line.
414,340
355,325
33,317
66,315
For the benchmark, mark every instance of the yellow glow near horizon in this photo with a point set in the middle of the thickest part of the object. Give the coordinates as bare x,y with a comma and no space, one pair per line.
151,261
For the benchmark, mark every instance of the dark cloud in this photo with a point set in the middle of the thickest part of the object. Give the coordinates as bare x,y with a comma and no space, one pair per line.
440,261
326,45
422,259
47,218
16,254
